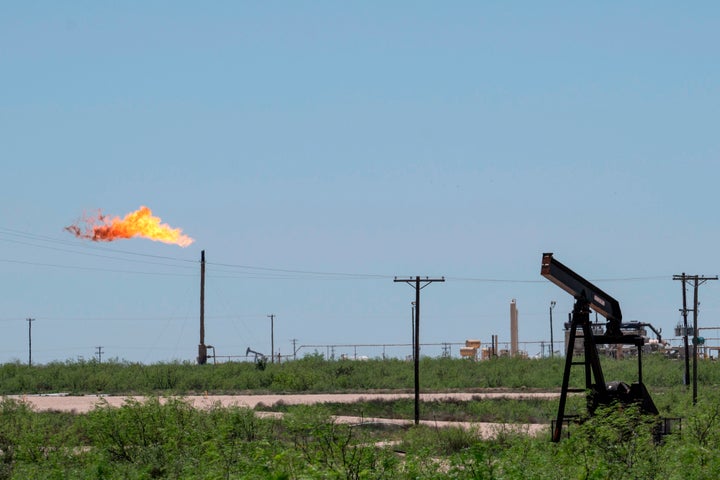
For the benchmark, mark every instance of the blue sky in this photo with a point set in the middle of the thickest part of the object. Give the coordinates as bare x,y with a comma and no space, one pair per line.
298,140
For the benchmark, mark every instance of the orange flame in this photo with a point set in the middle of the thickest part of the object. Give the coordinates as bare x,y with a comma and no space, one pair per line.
140,223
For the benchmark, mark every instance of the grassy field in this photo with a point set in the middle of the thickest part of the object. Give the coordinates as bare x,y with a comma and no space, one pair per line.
172,440
313,374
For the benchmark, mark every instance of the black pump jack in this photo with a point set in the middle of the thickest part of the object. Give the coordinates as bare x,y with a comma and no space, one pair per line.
588,296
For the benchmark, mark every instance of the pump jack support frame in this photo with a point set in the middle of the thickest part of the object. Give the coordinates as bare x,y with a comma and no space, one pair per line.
597,390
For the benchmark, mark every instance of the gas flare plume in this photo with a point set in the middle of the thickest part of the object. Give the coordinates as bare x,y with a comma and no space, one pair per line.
140,223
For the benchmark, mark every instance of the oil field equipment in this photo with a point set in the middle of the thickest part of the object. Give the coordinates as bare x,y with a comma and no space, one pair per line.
260,358
599,393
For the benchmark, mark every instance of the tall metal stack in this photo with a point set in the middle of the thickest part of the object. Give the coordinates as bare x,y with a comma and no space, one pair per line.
513,328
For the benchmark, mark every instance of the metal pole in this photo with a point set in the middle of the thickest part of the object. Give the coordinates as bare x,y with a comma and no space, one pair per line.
552,345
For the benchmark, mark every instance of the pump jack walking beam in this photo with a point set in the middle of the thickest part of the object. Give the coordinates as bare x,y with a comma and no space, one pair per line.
577,286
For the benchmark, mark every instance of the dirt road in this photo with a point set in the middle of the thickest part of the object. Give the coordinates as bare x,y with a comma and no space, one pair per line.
85,403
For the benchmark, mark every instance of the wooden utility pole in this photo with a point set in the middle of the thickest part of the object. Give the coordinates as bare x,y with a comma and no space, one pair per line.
697,281
272,337
30,320
552,343
202,349
684,311
419,284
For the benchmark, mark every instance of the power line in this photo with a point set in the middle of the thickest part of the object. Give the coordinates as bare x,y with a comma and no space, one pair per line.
254,272
95,269
500,280
303,272
43,238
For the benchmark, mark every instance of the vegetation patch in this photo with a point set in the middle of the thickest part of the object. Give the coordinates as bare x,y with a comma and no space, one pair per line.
169,439
315,374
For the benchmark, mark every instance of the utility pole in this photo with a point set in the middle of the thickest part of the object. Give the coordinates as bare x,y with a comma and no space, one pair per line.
419,284
272,337
552,344
412,326
294,342
202,349
99,353
30,320
684,311
697,281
